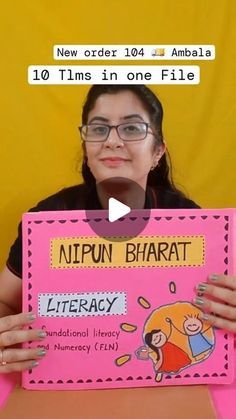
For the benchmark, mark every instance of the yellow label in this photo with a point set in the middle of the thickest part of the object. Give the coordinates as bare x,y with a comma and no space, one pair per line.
152,251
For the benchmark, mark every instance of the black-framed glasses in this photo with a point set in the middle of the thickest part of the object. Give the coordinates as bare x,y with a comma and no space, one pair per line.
130,131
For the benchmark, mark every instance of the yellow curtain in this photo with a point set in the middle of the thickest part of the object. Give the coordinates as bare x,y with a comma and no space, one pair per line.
39,140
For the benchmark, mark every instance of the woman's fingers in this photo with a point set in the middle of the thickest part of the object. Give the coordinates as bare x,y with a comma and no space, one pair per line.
18,355
20,359
18,366
221,309
219,322
13,333
16,321
224,294
218,298
227,281
12,337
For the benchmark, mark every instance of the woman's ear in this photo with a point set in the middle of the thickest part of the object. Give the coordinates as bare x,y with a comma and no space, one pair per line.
85,154
161,149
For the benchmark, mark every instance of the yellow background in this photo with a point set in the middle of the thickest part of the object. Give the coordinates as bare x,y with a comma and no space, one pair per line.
39,140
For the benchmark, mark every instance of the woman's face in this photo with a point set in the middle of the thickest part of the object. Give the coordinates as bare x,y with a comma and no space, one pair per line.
114,157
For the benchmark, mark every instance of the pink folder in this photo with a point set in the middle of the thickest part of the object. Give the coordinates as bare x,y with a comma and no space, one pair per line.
117,310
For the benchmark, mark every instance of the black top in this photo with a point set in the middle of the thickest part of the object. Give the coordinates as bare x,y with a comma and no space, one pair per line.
82,197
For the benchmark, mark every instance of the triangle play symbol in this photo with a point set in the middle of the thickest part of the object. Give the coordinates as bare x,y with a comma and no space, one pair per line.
116,209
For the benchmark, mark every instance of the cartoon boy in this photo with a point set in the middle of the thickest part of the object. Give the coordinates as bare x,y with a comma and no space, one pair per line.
198,342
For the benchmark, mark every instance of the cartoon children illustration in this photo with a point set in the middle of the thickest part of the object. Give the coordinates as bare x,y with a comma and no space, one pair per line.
169,357
175,338
193,328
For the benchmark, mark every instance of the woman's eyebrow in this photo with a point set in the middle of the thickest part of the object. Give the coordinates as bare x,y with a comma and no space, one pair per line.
103,119
134,115
98,118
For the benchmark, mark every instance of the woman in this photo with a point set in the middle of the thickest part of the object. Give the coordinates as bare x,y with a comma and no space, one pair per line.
122,137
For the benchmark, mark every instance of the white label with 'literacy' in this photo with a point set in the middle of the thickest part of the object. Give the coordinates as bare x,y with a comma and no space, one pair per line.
82,304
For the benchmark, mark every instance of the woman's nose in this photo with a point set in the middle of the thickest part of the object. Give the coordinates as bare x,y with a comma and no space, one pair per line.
113,139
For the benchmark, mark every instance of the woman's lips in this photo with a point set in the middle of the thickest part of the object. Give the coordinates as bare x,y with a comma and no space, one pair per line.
113,161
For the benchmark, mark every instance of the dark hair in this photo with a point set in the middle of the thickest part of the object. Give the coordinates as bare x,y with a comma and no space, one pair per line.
148,341
161,176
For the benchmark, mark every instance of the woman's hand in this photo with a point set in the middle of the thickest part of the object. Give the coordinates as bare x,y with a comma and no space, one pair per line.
13,358
220,313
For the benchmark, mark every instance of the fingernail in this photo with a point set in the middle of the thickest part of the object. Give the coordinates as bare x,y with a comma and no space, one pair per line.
34,364
42,334
213,277
31,316
198,301
201,287
204,316
42,352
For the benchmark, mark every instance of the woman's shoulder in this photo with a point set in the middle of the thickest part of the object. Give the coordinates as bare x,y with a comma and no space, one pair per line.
82,197
70,198
73,197
174,199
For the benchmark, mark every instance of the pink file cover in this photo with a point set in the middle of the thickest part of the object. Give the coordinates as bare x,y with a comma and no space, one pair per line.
117,310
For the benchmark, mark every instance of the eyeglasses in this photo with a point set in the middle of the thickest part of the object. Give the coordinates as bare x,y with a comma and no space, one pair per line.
131,131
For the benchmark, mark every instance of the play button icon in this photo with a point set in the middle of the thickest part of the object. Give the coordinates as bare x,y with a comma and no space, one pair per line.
120,209
117,210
